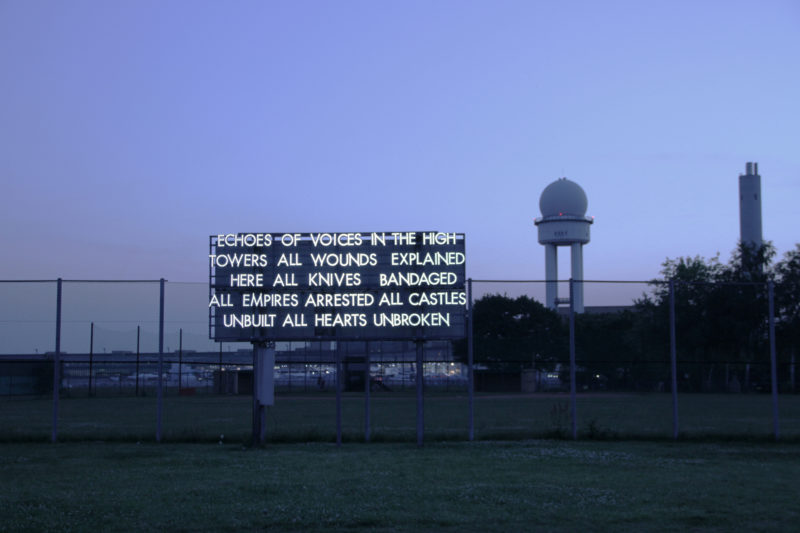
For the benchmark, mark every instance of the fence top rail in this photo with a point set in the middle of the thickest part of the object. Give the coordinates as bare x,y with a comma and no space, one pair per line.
610,281
623,281
28,280
561,281
626,281
81,280
730,283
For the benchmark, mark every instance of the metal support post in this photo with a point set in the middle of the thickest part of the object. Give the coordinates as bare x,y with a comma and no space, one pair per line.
160,392
673,359
773,359
91,355
572,384
338,395
367,386
180,360
137,359
57,363
470,369
256,406
263,387
420,384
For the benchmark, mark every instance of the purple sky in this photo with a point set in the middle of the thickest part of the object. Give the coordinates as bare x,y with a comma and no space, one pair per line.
132,130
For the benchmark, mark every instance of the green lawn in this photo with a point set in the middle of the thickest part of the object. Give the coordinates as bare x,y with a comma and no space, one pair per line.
311,417
548,485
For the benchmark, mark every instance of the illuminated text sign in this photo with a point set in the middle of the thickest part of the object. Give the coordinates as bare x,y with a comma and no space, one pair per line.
304,286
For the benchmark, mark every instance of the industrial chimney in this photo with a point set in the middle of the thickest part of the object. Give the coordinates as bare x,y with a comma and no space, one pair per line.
750,207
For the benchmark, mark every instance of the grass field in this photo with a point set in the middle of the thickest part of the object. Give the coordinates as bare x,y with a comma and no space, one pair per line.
547,485
311,417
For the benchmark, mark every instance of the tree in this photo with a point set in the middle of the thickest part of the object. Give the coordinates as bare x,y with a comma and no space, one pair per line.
694,279
513,332
739,312
787,303
720,311
607,349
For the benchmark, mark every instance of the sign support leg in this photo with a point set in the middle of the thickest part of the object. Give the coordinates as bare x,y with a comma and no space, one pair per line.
263,388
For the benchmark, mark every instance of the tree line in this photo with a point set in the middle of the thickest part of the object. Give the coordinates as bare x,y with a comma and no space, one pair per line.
721,312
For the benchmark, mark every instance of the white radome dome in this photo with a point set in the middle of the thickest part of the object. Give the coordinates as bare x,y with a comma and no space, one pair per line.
563,198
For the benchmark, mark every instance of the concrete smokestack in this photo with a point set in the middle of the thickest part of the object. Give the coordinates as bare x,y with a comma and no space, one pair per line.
750,207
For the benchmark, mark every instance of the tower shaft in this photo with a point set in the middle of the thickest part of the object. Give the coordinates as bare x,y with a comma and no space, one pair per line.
551,275
750,207
577,275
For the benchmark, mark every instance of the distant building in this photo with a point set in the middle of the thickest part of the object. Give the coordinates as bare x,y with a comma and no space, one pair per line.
599,309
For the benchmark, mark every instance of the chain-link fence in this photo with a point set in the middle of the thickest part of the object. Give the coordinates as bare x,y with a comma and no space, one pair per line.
624,344
524,384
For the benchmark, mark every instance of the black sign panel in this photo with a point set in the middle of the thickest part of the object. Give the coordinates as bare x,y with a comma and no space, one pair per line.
345,286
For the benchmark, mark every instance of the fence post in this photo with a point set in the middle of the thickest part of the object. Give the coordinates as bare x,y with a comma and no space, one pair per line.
367,385
470,369
773,359
219,391
572,385
338,394
57,363
137,359
256,406
160,392
673,359
91,355
420,385
180,360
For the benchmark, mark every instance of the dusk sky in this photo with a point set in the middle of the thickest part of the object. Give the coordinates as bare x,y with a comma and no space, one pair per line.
130,131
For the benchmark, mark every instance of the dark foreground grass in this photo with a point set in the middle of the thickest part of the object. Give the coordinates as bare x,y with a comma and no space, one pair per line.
311,417
485,486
